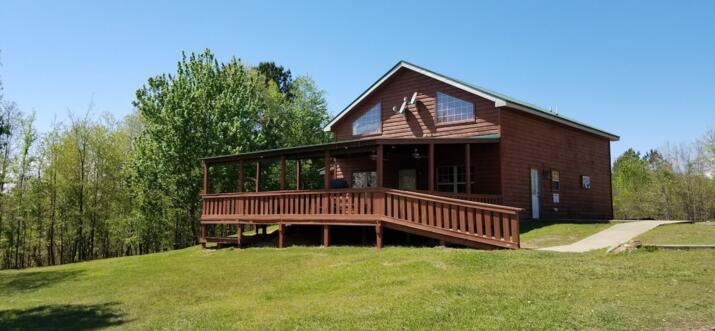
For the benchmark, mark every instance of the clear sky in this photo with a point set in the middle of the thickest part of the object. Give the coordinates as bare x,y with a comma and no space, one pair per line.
644,70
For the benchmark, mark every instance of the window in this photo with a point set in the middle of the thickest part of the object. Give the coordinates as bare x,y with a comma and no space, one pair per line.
450,109
362,179
586,182
555,181
451,179
368,122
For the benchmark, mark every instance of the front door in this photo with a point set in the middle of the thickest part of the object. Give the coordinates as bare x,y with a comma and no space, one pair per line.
535,206
407,179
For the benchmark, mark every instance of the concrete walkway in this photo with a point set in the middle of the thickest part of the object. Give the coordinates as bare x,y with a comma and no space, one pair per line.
610,238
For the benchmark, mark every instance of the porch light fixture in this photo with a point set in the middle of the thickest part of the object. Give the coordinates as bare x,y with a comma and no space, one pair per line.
416,154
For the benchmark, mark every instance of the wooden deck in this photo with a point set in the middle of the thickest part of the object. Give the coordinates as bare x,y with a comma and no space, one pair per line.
456,220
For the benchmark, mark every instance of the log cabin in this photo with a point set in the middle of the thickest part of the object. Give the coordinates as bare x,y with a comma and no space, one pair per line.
426,154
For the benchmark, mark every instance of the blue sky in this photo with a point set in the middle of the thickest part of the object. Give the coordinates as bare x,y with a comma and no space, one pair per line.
644,70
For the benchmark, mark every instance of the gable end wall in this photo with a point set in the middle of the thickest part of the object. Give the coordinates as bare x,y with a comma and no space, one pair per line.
531,142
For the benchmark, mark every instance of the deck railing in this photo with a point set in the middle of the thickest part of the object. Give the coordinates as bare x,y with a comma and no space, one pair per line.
494,199
468,220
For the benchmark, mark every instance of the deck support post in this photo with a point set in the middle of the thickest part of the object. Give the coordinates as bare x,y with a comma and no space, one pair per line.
327,170
326,235
378,235
283,172
297,175
258,174
202,240
281,235
241,176
430,168
379,166
239,235
468,167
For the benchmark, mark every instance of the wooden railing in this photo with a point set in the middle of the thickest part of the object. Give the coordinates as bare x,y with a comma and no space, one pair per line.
494,199
467,218
474,221
282,204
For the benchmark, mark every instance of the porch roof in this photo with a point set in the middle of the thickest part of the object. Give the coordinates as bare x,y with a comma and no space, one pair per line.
308,151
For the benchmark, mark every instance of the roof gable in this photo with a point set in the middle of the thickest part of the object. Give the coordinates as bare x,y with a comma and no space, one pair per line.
499,100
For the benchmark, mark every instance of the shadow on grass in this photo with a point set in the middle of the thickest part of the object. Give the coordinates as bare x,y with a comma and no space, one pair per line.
530,225
29,281
61,317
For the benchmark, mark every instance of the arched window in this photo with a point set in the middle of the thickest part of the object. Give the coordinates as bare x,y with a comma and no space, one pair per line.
368,122
451,109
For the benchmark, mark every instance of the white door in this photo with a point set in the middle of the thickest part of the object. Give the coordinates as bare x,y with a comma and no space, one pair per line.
535,194
407,179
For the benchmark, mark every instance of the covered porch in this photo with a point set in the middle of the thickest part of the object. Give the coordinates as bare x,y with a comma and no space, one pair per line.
448,188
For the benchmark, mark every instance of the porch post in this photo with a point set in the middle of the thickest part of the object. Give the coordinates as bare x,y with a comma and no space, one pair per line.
206,178
326,235
258,174
241,176
430,168
468,167
283,172
297,174
327,169
379,167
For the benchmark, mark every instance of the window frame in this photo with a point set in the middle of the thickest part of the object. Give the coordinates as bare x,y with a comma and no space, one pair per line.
454,182
377,106
368,179
465,120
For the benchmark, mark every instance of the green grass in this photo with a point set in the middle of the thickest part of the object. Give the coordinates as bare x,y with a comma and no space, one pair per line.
351,288
540,233
693,234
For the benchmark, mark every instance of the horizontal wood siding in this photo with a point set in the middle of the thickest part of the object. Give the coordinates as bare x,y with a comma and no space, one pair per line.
420,120
531,142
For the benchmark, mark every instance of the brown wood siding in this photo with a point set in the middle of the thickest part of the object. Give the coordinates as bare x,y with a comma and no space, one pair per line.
531,142
419,120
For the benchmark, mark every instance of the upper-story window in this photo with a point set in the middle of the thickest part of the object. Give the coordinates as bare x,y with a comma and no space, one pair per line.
369,122
451,109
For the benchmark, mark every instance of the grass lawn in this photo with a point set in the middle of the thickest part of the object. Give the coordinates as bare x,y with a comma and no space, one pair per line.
356,288
541,233
698,234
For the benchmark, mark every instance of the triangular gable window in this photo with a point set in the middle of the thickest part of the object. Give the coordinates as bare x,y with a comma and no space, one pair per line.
368,123
451,109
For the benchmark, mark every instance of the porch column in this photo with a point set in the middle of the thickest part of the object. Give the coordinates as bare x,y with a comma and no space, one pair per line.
241,176
326,235
379,166
297,174
430,168
378,235
283,172
281,235
206,178
327,169
467,167
258,174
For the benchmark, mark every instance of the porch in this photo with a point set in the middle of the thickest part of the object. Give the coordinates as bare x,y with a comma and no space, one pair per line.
437,188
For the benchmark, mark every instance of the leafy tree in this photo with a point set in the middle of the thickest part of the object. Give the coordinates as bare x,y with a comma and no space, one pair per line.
209,108
278,75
